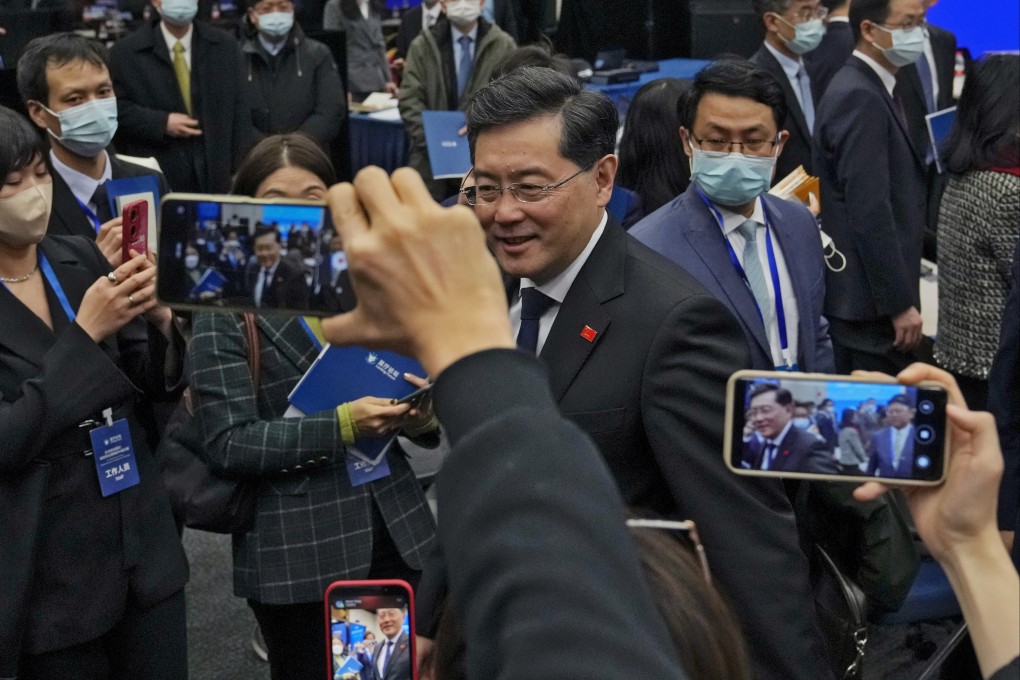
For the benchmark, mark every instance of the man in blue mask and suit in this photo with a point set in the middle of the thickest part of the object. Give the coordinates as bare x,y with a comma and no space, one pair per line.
761,256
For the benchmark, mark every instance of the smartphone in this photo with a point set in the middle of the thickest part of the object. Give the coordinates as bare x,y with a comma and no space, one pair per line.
233,253
370,630
135,216
835,427
415,398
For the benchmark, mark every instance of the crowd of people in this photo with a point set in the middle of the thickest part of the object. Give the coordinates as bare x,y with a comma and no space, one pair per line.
587,523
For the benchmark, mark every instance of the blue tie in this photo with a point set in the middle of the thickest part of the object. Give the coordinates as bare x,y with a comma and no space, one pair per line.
533,305
807,104
754,272
464,68
924,70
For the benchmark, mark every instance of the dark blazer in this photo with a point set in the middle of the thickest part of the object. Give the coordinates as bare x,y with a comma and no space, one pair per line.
873,197
1004,403
303,486
798,147
881,453
799,451
527,603
649,390
824,61
410,27
147,92
68,218
95,554
686,232
399,665
287,290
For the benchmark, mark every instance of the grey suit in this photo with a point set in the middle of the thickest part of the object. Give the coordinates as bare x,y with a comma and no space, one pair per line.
367,68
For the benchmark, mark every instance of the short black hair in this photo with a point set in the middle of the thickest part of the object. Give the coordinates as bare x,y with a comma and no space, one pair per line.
763,7
901,399
264,231
833,5
984,134
783,396
20,143
734,77
875,11
295,150
54,50
589,118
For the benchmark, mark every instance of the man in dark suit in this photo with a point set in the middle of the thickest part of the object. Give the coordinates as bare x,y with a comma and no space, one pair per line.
780,445
824,61
414,21
181,100
792,28
57,74
392,657
638,353
873,193
706,228
892,448
272,281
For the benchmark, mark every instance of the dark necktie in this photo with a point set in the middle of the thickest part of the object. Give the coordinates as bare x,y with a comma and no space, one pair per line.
102,203
924,70
386,658
533,305
770,452
901,111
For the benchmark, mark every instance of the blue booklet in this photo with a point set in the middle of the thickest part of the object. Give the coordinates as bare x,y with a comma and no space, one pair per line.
342,374
940,124
211,282
449,155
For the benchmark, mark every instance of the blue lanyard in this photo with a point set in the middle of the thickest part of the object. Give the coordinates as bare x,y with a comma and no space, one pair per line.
773,271
310,332
58,290
94,218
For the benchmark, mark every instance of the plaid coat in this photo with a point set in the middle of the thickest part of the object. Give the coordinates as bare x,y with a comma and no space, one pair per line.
311,527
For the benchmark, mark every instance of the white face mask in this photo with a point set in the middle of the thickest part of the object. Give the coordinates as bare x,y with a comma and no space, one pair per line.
25,216
191,261
802,423
463,13
907,45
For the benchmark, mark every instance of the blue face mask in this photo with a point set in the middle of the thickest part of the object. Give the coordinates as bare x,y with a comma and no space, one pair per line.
276,24
88,128
907,45
731,179
807,35
802,423
179,12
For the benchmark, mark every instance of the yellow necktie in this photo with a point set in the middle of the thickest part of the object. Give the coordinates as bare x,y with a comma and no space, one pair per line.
183,75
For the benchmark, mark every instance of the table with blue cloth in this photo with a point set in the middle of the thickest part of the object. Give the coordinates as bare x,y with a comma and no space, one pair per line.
378,142
623,93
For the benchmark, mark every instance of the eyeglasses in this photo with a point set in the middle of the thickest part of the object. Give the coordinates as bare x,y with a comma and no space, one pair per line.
755,146
807,14
274,6
907,25
525,192
687,527
760,411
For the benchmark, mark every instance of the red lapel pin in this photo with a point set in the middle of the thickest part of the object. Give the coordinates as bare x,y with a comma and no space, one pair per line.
589,333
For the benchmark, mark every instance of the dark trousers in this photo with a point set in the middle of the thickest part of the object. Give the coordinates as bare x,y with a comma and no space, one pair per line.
146,643
295,634
867,346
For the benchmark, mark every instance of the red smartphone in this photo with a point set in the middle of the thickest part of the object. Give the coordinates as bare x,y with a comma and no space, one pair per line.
370,624
135,229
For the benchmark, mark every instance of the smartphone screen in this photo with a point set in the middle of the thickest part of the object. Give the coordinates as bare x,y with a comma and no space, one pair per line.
234,253
370,630
807,425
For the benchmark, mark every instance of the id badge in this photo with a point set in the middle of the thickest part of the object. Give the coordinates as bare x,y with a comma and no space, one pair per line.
362,472
114,454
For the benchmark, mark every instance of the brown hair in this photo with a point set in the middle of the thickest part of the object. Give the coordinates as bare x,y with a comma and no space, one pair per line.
281,151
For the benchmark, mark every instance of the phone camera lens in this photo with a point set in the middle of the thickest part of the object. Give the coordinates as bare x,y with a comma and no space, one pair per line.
925,435
926,406
923,462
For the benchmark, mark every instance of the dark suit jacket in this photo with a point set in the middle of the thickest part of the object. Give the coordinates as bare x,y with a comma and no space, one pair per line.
287,290
95,554
526,601
399,665
881,453
68,218
799,451
147,92
824,61
410,27
649,390
303,486
873,197
798,148
686,232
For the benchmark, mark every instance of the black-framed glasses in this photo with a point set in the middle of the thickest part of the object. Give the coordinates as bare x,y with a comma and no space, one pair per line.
755,146
525,192
686,527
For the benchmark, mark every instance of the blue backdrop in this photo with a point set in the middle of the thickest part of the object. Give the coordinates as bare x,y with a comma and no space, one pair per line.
980,25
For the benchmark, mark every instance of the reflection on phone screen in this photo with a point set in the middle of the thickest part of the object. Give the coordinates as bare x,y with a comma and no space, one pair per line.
839,428
370,636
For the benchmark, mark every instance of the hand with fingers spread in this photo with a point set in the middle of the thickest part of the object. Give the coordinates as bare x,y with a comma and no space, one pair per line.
415,268
113,301
957,522
109,239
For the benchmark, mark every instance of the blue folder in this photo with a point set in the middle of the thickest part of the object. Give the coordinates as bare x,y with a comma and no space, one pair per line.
449,156
127,186
211,282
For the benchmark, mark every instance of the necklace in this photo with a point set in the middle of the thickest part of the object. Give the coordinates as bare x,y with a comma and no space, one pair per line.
19,279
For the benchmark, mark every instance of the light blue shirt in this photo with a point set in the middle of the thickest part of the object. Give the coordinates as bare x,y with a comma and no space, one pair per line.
455,33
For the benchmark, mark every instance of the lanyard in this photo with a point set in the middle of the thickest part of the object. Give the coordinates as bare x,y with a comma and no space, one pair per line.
773,271
93,217
58,290
314,334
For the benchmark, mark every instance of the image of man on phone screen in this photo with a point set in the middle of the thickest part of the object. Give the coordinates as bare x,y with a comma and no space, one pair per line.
777,444
892,448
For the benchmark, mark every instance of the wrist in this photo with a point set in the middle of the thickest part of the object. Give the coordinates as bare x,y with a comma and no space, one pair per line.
436,357
979,552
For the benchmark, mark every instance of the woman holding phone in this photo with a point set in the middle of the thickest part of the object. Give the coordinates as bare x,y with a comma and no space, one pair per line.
93,569
315,522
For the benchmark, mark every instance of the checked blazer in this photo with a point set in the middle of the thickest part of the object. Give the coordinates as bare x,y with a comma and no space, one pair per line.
311,526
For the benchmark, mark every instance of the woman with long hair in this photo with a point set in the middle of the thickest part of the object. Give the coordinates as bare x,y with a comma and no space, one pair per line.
851,448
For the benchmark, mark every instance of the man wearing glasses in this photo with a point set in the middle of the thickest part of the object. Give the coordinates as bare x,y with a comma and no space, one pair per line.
793,28
638,353
873,192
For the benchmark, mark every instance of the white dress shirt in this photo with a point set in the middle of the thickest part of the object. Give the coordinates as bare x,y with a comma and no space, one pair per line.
791,67
888,79
81,185
264,281
766,462
429,17
556,288
172,40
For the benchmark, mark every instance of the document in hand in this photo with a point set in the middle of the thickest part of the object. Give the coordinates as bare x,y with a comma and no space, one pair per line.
449,156
120,192
343,374
939,124
211,282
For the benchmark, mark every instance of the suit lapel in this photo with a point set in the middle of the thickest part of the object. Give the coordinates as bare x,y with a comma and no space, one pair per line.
894,109
793,102
66,216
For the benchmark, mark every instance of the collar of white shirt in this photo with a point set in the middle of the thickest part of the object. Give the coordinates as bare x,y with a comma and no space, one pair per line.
172,40
557,287
81,185
888,79
273,48
426,13
780,437
456,33
732,220
790,66
841,19
272,270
